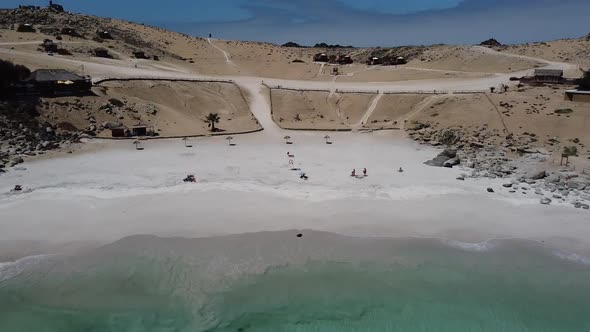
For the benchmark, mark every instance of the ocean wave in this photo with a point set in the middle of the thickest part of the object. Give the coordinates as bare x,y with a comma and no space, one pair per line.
477,247
575,258
287,189
10,270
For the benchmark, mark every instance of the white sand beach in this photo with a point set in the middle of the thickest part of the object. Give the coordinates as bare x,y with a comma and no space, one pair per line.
100,197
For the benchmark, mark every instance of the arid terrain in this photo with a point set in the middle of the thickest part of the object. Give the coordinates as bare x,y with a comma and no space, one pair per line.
440,86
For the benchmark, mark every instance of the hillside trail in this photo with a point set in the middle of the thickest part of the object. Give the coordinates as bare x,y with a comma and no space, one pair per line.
419,107
226,54
260,107
369,111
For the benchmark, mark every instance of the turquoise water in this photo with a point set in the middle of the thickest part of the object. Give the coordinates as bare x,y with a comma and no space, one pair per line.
153,284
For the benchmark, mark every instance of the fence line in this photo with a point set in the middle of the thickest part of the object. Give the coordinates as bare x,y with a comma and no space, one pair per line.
419,92
195,80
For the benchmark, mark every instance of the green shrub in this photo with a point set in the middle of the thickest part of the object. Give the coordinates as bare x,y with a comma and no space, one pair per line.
570,151
564,111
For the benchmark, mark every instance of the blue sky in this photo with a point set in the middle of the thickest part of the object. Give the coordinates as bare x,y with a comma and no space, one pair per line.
356,22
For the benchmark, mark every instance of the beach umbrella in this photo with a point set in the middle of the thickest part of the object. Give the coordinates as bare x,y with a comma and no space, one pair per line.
137,144
229,139
287,138
327,138
185,139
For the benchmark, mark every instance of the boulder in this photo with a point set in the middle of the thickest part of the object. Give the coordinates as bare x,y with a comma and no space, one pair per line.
545,201
461,178
116,102
442,158
490,190
452,162
110,125
553,178
536,175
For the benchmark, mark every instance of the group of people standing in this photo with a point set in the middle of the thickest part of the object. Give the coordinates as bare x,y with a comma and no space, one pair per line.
353,173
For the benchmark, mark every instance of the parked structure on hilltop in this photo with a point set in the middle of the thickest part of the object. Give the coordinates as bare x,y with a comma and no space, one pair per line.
321,57
56,7
26,27
28,7
344,59
104,34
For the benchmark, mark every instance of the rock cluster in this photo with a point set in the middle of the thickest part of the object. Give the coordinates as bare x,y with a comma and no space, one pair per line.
23,135
491,154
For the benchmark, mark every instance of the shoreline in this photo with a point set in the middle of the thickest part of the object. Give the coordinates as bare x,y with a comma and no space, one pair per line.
89,200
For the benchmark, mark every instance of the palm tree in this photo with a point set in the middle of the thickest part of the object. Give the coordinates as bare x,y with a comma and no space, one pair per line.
287,138
212,119
229,139
570,151
327,138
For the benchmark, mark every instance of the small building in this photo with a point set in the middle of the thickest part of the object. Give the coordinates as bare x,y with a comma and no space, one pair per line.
548,76
375,61
321,57
140,55
141,129
120,131
101,52
58,82
28,7
344,59
104,34
49,46
579,96
56,7
26,27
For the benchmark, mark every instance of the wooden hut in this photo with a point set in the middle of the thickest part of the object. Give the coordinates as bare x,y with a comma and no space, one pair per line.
58,82
548,76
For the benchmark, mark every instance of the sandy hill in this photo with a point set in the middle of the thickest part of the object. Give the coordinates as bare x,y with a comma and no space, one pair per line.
78,34
575,51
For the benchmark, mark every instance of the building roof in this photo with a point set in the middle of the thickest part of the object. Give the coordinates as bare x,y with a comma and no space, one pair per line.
49,75
578,92
549,72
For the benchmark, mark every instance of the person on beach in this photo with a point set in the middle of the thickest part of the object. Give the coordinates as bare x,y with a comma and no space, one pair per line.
364,171
400,170
353,172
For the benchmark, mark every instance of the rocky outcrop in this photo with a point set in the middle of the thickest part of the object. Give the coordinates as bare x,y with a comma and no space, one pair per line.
22,134
491,42
447,158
